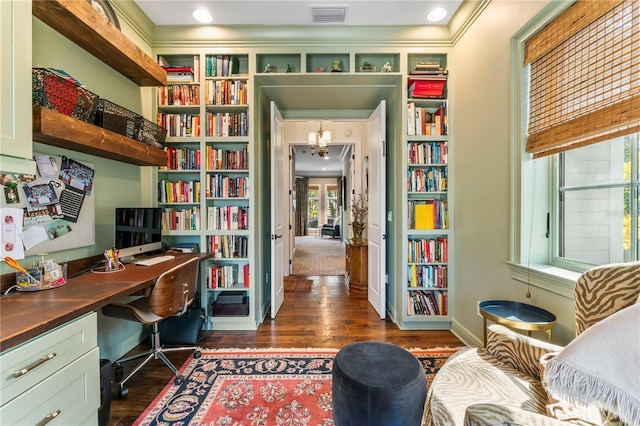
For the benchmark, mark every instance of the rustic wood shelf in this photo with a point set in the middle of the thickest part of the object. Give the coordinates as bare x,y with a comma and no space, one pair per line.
52,128
82,24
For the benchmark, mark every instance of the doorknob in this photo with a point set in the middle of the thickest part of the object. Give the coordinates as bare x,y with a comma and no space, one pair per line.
275,237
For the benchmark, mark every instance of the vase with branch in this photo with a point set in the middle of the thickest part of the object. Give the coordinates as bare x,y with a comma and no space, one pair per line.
359,212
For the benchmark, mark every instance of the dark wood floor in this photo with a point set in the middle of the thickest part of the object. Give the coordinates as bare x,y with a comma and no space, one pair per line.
329,316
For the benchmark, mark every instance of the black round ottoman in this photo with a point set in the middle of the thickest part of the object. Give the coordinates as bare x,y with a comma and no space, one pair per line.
375,383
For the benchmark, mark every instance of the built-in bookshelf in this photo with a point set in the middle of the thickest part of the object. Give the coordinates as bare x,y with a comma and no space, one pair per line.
205,188
428,216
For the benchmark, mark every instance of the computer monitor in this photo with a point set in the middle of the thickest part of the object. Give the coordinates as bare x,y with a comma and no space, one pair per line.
138,230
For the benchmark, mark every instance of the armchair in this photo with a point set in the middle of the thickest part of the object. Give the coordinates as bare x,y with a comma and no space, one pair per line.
332,230
503,384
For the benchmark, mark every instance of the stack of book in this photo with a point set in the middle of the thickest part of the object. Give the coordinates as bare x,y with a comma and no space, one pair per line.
429,68
179,74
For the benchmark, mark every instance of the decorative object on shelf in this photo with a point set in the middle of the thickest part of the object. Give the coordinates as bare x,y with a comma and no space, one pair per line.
387,67
105,9
368,67
319,69
359,213
336,66
289,69
269,68
322,138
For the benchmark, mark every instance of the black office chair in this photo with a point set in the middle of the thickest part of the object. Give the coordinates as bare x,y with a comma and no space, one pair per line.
171,294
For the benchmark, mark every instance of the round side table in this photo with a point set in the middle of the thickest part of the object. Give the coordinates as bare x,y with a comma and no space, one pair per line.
519,316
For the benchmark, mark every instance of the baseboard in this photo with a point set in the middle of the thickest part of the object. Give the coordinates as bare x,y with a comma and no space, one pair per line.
465,335
115,352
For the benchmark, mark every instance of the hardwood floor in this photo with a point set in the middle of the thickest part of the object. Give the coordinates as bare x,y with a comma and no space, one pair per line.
329,316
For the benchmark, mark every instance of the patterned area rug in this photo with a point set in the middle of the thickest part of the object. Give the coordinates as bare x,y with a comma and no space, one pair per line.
258,387
318,256
297,285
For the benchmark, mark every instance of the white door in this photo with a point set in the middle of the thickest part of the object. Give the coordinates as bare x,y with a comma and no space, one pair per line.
278,201
376,220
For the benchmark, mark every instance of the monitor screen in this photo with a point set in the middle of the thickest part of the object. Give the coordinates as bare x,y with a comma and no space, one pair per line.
138,230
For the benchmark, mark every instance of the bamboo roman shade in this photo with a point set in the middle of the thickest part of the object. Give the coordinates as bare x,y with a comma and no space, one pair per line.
584,76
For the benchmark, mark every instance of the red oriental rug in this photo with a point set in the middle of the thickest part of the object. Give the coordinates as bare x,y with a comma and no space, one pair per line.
258,387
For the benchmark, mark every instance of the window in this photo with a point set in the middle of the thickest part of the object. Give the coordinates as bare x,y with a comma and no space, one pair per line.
597,202
313,207
577,110
331,203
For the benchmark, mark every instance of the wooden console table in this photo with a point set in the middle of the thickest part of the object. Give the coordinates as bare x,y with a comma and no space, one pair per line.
358,267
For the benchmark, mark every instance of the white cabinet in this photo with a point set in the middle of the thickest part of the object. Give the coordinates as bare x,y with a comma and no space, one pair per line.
15,86
53,376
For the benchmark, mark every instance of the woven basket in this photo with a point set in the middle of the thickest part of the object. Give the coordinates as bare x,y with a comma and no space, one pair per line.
118,119
152,134
53,91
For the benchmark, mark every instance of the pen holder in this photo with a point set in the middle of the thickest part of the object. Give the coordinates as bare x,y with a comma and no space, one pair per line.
111,261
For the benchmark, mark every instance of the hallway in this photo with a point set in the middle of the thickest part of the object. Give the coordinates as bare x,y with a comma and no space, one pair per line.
321,256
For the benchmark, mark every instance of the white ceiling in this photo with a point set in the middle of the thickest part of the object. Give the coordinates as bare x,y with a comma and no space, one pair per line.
296,12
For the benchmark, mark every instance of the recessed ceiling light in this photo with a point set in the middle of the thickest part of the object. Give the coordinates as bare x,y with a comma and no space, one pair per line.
437,14
203,16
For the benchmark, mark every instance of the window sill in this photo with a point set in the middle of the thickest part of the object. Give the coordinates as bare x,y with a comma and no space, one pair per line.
549,278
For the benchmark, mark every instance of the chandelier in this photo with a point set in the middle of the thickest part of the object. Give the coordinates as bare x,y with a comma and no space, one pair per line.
322,138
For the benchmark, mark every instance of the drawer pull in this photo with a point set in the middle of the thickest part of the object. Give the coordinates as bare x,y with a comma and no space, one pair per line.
33,365
48,418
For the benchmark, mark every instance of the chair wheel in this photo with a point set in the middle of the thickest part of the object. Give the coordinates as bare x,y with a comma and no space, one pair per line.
119,370
197,354
123,392
178,380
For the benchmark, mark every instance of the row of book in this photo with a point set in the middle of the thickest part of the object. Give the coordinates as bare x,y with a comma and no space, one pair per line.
428,214
221,186
425,302
181,219
227,218
179,191
179,95
427,152
226,92
228,246
221,65
182,158
427,250
225,124
432,179
224,159
422,121
180,125
428,276
226,276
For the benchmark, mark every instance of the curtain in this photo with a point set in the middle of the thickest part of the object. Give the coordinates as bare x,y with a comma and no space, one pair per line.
302,197
584,76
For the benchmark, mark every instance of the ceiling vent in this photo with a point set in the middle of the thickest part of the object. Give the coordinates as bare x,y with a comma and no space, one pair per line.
328,14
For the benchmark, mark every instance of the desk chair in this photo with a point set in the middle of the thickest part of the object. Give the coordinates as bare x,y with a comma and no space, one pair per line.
171,294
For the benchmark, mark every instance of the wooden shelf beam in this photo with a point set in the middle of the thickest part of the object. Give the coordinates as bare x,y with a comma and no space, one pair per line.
52,128
78,21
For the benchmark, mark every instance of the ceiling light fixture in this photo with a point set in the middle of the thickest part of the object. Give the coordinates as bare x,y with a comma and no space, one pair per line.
437,14
203,16
322,138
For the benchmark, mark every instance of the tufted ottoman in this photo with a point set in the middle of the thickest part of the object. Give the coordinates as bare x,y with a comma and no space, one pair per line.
376,383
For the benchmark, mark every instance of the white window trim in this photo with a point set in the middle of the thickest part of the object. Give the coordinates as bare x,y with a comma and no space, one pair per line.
528,263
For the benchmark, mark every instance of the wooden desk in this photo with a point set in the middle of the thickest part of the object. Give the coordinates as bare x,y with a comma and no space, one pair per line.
24,315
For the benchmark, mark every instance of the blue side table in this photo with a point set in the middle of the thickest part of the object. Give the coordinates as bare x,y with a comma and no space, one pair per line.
517,315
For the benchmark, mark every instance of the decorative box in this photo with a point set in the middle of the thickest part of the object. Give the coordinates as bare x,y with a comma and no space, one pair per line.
427,87
56,90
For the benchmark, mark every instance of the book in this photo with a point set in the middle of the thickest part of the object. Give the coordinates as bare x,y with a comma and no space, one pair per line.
424,215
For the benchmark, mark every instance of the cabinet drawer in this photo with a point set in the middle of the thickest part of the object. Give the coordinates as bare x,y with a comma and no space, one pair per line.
73,394
38,358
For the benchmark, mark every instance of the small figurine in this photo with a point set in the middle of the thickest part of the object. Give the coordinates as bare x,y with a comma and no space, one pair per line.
366,66
336,67
387,67
268,68
289,69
